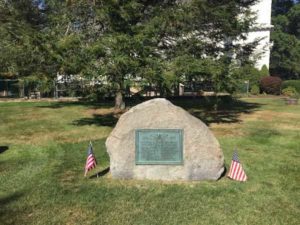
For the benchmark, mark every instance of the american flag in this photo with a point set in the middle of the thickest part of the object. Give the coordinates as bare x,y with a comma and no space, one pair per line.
91,160
236,171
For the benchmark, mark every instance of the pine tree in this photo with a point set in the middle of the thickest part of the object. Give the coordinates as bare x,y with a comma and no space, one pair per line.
159,43
285,54
165,42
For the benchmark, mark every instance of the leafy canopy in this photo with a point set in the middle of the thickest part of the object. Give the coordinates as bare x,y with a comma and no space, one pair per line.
120,42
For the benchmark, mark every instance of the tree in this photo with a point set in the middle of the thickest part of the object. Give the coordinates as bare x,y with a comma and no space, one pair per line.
19,35
285,54
161,43
25,42
294,20
281,7
165,42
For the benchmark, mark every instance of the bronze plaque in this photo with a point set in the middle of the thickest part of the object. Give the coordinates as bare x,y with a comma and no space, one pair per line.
158,146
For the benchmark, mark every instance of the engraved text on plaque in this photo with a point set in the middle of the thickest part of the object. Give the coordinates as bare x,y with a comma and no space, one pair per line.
158,146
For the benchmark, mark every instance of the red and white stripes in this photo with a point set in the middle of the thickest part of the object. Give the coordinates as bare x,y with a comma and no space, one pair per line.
90,163
236,171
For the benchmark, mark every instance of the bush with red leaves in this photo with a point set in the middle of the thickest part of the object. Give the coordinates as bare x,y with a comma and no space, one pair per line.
271,85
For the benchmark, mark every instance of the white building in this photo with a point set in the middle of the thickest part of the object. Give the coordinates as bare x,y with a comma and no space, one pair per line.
263,23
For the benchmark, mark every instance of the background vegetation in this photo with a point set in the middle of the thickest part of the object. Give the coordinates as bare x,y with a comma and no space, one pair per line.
152,43
285,55
158,43
292,83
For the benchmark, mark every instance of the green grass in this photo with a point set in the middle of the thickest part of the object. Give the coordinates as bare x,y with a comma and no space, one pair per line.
43,152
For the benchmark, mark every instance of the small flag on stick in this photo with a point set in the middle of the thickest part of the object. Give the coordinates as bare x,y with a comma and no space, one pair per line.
236,171
91,160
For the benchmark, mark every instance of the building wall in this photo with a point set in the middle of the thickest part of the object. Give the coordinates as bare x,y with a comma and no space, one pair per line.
263,23
263,11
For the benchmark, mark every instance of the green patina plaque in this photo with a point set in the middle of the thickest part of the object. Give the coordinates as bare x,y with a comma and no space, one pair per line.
158,146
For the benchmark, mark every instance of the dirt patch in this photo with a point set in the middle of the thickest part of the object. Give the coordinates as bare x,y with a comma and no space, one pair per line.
102,112
284,126
68,177
79,135
78,215
105,112
225,129
68,181
71,136
281,121
267,115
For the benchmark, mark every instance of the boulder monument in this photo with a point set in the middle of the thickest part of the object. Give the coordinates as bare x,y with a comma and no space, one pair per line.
160,141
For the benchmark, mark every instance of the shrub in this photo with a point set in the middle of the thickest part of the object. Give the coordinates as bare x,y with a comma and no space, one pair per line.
254,90
290,92
271,85
292,83
251,74
264,71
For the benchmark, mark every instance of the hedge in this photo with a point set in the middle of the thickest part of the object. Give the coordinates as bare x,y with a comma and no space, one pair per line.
292,83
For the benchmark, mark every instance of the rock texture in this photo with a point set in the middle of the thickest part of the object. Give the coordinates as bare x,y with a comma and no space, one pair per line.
202,157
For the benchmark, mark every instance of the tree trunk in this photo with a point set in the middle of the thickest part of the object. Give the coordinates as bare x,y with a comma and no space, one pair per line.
119,103
21,89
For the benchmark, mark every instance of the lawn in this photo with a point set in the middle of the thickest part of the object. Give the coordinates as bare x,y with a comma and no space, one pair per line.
43,151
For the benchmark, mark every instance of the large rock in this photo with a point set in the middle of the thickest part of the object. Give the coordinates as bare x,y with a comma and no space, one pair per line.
202,156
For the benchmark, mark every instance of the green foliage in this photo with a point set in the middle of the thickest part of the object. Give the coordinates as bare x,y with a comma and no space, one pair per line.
285,54
290,92
254,90
264,71
119,41
292,83
202,70
249,73
282,23
271,85
280,7
294,18
37,82
25,41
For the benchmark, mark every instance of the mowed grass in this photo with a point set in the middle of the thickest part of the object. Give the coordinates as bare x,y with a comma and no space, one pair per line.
43,151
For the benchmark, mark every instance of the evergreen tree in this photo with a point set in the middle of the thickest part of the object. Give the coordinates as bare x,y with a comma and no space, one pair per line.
281,7
165,42
160,43
25,43
285,54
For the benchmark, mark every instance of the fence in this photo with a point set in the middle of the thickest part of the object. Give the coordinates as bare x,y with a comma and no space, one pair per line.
14,88
243,87
10,88
81,88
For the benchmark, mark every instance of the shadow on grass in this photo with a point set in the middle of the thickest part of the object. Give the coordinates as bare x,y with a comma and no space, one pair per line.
99,120
89,104
100,174
7,215
3,149
223,109
10,198
228,110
